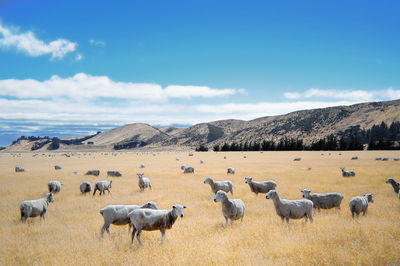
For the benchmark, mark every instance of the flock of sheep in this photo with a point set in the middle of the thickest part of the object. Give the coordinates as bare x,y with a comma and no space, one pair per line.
148,217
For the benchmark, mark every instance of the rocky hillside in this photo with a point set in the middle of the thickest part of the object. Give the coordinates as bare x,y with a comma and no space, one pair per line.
309,125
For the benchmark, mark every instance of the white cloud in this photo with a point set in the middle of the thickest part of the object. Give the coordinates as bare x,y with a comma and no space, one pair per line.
391,94
28,43
97,43
292,95
347,95
187,92
78,57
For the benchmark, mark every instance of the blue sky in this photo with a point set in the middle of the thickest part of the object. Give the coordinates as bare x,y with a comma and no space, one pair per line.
99,64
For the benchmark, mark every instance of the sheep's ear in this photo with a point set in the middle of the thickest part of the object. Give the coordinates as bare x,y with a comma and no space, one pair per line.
173,207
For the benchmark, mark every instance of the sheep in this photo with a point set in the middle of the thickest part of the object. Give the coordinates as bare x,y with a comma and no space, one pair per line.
93,172
294,209
57,167
101,186
183,166
347,173
219,185
354,158
85,187
224,157
34,208
142,165
260,187
324,201
150,220
244,156
190,154
230,170
385,159
395,185
201,161
188,169
395,159
143,182
118,214
54,186
231,208
113,173
177,159
360,204
19,169
297,159
378,158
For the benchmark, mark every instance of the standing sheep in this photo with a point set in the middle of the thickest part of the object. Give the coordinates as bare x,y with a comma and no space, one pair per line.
219,185
260,187
324,201
118,214
54,186
57,167
294,209
113,173
143,182
34,208
201,161
188,169
360,204
150,220
395,185
93,172
102,186
230,170
19,169
347,173
231,208
85,187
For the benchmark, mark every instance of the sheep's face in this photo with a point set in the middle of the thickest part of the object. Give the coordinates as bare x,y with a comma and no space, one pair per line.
248,180
369,197
150,205
50,197
390,180
306,193
207,180
219,196
178,209
270,194
140,175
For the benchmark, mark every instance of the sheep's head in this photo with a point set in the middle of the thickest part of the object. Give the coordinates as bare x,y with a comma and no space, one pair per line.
248,179
220,195
50,197
140,175
271,194
178,209
208,180
342,168
150,205
369,197
390,180
306,193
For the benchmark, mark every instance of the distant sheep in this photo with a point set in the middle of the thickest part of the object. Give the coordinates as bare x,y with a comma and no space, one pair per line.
291,209
395,159
323,201
395,185
354,158
378,158
93,172
260,187
190,154
224,157
34,208
118,214
188,169
19,169
183,166
347,173
202,161
57,167
113,173
230,170
85,187
297,159
360,204
54,186
385,159
143,182
177,159
150,220
102,186
142,165
226,186
232,209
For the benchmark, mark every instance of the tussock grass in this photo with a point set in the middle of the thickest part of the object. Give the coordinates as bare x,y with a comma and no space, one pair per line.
70,234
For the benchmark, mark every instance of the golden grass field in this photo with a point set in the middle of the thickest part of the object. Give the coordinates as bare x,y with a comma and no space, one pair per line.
70,234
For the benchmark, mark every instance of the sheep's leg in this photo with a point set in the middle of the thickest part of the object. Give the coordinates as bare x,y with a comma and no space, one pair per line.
133,234
150,186
231,222
138,237
287,219
94,192
319,209
282,218
226,221
357,213
102,230
162,235
352,214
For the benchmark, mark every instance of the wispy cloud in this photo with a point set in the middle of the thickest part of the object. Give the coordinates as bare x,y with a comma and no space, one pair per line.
97,43
29,44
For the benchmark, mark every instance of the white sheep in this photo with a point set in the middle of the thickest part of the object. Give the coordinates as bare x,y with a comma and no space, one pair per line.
102,186
360,204
230,170
118,214
232,209
201,161
54,186
354,158
57,167
219,185
177,159
385,159
93,172
260,187
324,201
114,173
143,182
142,165
188,169
85,187
19,169
150,220
293,209
183,166
348,172
34,208
297,159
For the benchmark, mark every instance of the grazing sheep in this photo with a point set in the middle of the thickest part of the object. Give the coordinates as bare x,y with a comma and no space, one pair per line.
224,157
113,173
395,159
260,187
85,187
19,169
347,173
54,186
354,158
324,201
93,172
101,186
150,220
188,169
294,209
143,182
231,208
219,185
395,185
201,161
230,170
57,167
33,208
142,165
177,158
183,166
385,159
378,158
360,204
190,154
118,214
297,159
244,156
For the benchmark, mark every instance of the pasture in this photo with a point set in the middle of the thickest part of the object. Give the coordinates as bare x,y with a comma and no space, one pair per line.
70,234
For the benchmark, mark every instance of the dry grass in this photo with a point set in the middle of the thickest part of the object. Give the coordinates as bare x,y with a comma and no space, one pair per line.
70,234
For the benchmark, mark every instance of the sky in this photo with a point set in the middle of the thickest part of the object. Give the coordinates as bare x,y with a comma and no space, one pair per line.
70,68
